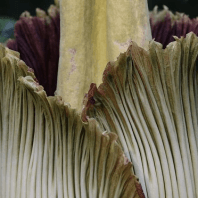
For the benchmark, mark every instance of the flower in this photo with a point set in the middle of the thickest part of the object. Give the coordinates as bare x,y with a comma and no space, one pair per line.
45,148
147,98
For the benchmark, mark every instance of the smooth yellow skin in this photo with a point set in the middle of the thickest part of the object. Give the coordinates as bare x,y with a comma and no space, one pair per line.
94,32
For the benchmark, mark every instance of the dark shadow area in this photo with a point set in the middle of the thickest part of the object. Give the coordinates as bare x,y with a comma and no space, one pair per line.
14,8
189,7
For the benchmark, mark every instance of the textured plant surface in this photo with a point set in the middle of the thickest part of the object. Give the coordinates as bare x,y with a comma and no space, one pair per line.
47,151
149,99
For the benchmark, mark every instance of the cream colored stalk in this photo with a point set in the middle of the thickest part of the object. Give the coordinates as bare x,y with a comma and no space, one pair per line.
94,32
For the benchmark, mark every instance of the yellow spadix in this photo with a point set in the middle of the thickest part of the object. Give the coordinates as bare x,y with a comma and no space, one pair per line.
94,32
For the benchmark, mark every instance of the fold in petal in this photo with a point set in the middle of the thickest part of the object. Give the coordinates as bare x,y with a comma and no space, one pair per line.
165,25
150,99
37,41
47,151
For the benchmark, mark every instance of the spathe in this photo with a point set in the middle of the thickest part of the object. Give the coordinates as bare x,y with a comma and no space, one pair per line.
149,99
45,148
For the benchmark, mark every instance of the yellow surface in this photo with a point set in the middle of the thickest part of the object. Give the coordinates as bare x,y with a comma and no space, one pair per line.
94,32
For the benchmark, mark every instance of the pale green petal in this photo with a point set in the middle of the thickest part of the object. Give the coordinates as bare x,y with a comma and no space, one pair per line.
149,98
46,151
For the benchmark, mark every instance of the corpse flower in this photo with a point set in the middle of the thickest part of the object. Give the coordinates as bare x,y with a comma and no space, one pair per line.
147,97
